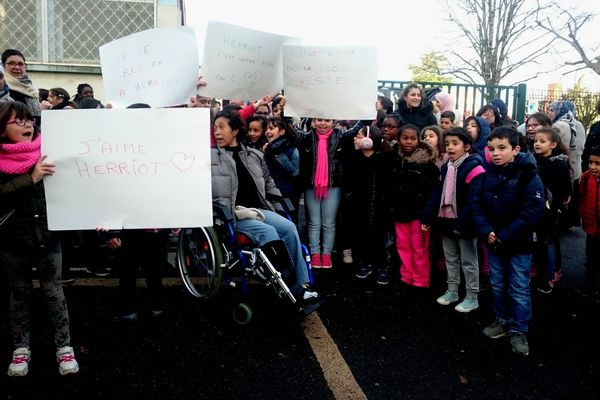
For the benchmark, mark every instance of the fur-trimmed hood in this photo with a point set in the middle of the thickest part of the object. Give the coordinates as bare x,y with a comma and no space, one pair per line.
423,154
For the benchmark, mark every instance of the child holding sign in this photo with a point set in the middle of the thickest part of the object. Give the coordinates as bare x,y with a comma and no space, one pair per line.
25,241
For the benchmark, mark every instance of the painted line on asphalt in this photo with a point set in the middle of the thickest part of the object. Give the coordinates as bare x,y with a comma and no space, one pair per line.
335,369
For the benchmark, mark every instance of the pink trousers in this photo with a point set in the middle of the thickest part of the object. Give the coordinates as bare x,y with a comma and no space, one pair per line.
413,248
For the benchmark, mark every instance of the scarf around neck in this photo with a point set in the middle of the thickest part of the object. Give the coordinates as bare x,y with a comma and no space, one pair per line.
322,170
448,206
25,87
18,158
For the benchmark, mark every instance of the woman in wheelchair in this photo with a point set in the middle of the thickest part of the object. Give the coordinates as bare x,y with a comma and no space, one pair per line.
241,183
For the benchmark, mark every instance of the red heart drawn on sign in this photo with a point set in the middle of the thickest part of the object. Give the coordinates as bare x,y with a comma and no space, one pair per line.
182,161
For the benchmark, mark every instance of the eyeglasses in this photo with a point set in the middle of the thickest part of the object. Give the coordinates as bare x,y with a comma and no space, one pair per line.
261,113
21,122
533,125
15,64
389,126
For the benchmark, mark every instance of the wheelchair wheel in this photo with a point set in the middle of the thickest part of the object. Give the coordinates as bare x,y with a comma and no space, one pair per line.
242,313
200,259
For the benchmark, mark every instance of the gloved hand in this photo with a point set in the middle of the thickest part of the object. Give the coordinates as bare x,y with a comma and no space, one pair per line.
249,213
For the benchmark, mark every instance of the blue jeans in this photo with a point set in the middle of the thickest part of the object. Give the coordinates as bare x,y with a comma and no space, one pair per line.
509,280
322,214
276,227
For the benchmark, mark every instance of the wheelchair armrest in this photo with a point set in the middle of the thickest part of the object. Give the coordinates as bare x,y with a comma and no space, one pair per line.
283,205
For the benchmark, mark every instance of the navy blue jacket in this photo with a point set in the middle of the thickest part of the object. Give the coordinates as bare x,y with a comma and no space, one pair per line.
509,208
466,193
283,160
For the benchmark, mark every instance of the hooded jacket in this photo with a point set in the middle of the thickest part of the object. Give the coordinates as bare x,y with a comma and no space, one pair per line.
511,204
412,181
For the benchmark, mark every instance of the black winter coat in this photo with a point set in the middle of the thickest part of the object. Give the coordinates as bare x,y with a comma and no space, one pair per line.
421,116
27,228
412,181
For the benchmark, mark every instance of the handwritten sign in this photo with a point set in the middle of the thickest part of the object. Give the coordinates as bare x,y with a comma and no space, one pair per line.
330,82
241,63
135,168
157,66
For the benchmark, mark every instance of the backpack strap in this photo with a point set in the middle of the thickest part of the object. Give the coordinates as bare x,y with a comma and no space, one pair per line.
478,170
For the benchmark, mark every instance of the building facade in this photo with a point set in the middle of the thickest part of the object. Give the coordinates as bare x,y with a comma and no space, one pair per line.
60,38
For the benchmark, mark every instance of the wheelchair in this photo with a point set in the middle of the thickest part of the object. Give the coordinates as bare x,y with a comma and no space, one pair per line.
211,258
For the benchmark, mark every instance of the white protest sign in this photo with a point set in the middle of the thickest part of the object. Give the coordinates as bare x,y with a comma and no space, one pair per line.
241,63
158,67
134,168
330,82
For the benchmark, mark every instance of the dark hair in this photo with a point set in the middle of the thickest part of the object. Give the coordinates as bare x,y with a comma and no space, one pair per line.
448,114
11,52
43,93
595,151
138,105
540,117
496,112
231,107
407,127
260,118
505,132
440,136
63,95
7,108
386,103
396,117
235,122
551,133
408,88
462,134
89,102
375,134
77,97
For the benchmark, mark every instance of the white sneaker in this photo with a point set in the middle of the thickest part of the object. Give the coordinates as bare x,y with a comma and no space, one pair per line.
19,366
66,361
347,256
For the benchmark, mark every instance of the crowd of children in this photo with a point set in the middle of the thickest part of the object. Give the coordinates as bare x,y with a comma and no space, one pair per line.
482,199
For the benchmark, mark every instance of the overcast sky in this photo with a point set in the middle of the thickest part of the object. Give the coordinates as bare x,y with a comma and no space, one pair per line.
402,31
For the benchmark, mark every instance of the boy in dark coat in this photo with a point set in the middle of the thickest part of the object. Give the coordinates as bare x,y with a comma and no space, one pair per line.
509,207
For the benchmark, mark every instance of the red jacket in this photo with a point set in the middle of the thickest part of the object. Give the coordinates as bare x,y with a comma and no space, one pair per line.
589,204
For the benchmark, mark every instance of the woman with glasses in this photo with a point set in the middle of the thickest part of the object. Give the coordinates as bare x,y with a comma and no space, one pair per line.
21,87
26,242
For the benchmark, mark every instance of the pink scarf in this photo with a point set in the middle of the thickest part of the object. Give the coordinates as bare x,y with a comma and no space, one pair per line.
18,158
322,172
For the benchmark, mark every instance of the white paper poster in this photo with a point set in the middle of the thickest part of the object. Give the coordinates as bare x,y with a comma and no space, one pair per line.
241,63
158,67
330,82
134,168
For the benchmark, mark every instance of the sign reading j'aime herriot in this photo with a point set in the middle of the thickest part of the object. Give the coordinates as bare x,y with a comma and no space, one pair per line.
134,168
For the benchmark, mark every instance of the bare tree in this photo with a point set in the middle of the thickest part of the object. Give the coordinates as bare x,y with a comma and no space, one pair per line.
496,38
566,26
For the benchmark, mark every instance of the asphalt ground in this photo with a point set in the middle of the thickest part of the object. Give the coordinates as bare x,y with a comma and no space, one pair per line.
393,342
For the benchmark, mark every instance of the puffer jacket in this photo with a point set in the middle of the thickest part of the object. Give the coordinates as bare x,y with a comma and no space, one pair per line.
412,182
589,206
468,183
283,159
27,228
225,179
510,207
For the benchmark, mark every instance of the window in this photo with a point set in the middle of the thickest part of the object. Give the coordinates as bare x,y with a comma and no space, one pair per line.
70,32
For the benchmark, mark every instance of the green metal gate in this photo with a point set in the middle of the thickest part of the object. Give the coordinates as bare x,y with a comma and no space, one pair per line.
470,97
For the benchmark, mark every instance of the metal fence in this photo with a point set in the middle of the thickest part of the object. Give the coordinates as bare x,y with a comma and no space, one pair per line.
68,31
585,103
468,97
